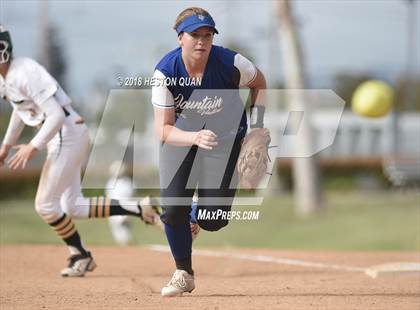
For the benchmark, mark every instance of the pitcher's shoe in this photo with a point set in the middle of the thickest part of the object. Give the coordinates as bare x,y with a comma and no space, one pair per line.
149,211
180,283
78,265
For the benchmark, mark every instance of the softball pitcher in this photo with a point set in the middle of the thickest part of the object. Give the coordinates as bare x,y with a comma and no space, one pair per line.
39,101
200,127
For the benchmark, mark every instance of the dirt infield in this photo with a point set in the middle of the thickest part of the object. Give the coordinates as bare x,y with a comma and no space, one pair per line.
131,278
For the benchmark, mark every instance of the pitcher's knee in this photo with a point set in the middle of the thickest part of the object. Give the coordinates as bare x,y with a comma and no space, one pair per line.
175,215
212,225
213,218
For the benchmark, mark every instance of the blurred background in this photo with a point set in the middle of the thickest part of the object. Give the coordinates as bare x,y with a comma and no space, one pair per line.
361,193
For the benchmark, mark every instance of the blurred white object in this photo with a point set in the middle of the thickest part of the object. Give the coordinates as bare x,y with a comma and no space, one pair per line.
120,225
120,229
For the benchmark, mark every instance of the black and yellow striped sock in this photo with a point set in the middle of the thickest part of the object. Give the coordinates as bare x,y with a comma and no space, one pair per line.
66,229
100,207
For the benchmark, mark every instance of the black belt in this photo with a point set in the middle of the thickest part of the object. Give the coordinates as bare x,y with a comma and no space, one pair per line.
66,113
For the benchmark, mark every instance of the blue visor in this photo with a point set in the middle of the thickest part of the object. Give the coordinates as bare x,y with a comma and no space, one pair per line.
192,23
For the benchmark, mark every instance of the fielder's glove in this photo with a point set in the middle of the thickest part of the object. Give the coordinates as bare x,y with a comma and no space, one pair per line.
253,158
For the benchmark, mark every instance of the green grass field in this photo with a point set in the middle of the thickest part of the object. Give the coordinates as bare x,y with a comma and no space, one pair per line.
352,221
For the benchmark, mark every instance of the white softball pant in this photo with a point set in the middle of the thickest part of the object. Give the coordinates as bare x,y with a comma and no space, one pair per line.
59,185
